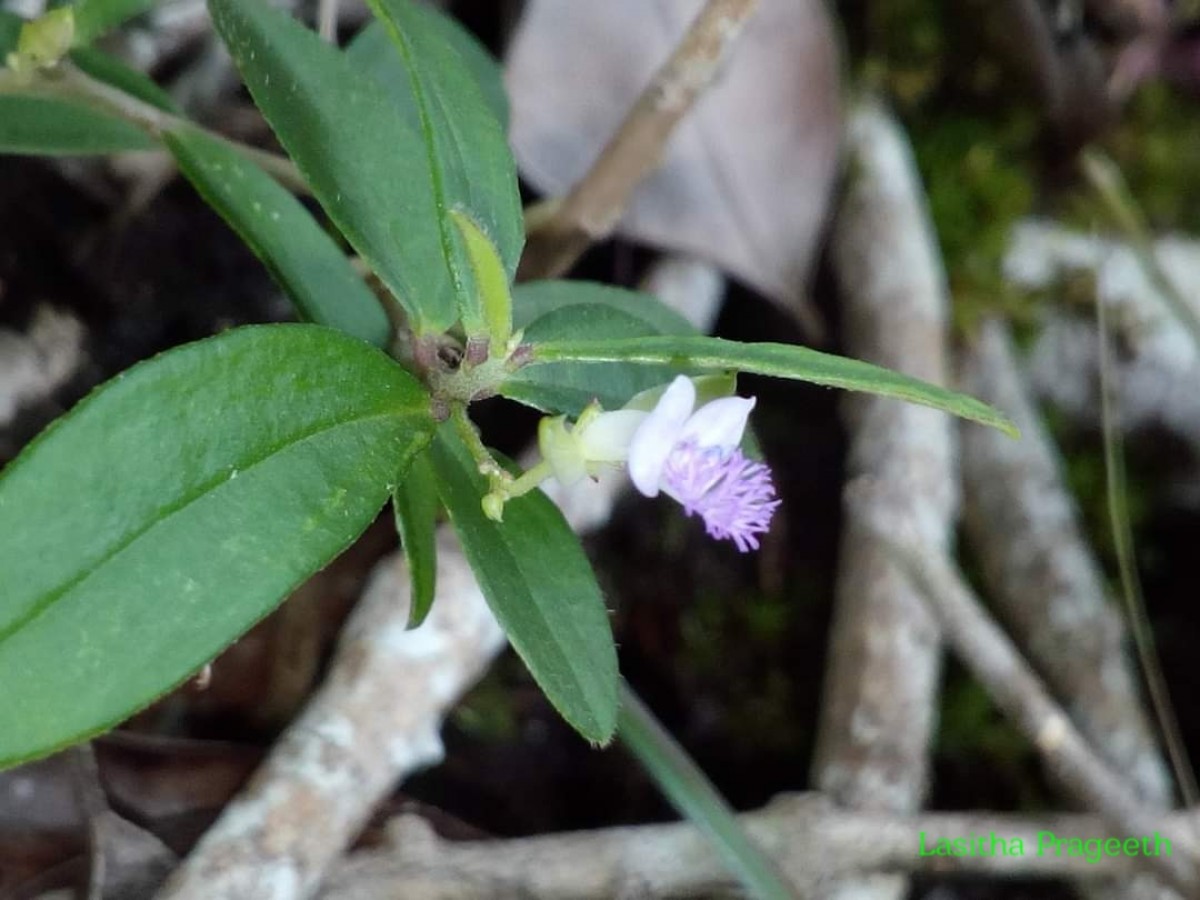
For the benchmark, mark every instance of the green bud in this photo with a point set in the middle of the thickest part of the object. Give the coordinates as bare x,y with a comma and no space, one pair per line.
45,41
493,507
490,311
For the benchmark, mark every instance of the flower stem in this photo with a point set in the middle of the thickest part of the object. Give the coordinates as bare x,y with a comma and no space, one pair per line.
528,480
470,436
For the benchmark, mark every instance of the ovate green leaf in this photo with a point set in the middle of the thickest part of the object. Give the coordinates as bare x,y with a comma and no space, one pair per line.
568,310
282,233
470,163
373,50
367,164
43,126
541,587
176,506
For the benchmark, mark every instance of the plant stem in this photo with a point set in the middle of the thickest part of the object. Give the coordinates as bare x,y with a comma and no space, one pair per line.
470,436
67,82
1131,585
681,780
1105,178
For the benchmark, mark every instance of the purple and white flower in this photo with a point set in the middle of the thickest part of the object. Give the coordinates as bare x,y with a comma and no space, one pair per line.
692,456
689,454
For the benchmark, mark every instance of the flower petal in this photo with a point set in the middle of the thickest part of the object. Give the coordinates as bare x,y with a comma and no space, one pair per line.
607,437
658,434
720,423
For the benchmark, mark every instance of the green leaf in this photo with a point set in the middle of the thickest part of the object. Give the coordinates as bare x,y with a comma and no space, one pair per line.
366,163
541,587
492,315
415,504
10,32
175,506
99,65
373,50
282,233
470,162
779,360
94,18
107,68
52,127
570,310
49,126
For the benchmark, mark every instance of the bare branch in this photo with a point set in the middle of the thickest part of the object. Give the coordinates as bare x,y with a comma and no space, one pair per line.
814,841
591,210
880,696
1047,584
991,657
1044,579
375,720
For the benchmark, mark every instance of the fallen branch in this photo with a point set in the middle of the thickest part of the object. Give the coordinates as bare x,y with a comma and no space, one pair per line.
991,657
814,841
590,211
1046,583
1043,577
36,363
1157,371
375,720
881,690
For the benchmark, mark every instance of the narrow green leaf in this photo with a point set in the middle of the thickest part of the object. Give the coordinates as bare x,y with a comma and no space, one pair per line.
778,360
366,163
52,127
571,310
415,503
282,233
175,507
107,68
689,790
469,159
491,316
541,587
10,32
94,18
374,52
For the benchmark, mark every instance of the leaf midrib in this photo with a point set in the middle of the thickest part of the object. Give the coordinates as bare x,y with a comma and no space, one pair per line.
50,598
437,182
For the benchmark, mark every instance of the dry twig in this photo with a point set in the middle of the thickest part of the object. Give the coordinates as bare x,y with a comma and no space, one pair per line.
1045,580
375,720
885,657
814,841
991,657
1159,366
591,210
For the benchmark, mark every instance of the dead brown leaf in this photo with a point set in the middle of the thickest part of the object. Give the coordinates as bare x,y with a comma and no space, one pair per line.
747,178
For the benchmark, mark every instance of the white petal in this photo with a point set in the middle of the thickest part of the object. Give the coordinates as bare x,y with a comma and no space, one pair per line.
720,423
658,434
607,437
